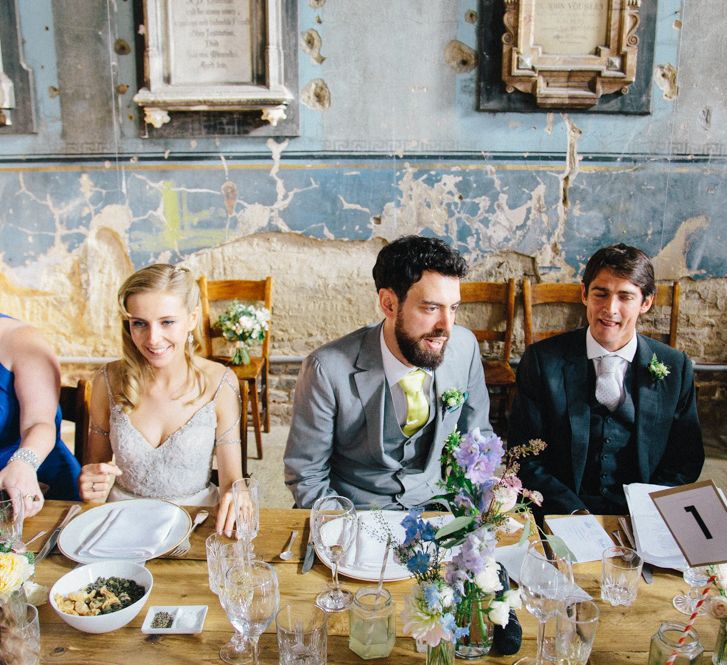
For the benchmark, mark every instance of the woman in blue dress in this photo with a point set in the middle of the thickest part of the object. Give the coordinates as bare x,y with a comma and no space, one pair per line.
31,450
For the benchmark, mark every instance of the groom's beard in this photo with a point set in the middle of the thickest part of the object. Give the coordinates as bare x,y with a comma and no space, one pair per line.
413,349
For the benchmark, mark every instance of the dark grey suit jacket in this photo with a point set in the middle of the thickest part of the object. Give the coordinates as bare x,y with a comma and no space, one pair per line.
552,403
335,445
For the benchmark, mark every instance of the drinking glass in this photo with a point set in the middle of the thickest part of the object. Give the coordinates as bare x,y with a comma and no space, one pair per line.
333,520
245,494
545,582
221,555
576,629
302,634
620,572
250,597
696,577
11,520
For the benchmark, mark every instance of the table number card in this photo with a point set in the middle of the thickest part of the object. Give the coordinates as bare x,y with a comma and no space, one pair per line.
696,515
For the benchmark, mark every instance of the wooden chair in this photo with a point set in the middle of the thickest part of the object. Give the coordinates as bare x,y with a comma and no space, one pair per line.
498,372
667,295
75,402
259,366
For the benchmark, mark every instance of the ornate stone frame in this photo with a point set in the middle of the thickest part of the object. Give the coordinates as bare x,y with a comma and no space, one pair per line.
569,81
269,95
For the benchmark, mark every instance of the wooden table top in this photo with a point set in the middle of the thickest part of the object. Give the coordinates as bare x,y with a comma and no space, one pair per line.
623,635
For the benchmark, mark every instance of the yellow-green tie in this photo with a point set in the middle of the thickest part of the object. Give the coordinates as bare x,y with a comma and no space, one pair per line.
417,407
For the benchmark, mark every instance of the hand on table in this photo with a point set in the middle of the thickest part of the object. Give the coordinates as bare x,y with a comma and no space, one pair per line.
225,515
96,480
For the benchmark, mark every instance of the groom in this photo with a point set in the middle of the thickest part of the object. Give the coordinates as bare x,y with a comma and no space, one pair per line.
614,407
369,422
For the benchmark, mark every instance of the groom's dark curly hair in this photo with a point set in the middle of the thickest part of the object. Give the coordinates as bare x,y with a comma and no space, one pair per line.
402,262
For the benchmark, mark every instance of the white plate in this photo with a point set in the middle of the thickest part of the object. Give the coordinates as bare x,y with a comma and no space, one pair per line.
80,529
373,529
188,619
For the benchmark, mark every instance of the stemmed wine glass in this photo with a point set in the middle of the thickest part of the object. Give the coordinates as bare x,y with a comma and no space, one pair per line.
11,520
245,494
696,577
545,581
333,521
250,597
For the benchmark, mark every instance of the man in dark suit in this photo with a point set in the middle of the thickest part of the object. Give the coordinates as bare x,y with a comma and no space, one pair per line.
614,407
360,428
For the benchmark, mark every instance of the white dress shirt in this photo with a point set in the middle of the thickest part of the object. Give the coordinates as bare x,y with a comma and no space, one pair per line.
626,353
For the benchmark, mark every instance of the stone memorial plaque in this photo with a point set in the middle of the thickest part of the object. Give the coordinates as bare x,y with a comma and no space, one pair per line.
210,42
570,27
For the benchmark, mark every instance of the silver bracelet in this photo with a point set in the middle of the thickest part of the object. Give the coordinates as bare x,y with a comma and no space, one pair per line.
25,455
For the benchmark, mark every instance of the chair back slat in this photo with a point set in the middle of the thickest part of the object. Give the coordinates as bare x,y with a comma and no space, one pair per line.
496,293
667,295
244,290
75,403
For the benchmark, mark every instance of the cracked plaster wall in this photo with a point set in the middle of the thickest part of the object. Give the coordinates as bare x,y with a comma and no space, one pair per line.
390,143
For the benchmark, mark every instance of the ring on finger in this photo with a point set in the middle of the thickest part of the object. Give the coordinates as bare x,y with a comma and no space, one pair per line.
32,497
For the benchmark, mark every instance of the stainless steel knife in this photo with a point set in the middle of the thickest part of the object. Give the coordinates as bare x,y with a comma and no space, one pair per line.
625,524
53,538
310,552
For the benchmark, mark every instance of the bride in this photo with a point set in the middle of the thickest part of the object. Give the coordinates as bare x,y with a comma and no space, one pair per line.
159,413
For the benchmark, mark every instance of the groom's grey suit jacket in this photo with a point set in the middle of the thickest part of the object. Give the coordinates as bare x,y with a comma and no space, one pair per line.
342,415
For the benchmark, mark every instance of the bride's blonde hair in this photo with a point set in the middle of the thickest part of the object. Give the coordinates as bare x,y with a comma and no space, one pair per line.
135,370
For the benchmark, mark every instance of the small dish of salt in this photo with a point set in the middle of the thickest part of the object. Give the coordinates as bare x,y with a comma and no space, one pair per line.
174,619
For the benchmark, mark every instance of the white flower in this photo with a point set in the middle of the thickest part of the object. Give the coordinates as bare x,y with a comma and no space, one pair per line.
446,596
506,497
14,570
513,598
488,579
499,613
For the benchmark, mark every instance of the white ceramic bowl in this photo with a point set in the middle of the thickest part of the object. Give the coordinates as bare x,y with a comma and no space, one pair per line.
83,575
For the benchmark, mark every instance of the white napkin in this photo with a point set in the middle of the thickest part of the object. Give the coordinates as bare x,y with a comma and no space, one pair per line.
511,556
370,545
127,533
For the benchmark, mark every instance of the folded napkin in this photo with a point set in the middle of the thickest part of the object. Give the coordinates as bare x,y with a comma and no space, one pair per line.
128,533
373,529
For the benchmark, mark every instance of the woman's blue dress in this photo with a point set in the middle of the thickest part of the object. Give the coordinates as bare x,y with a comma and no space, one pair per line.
60,469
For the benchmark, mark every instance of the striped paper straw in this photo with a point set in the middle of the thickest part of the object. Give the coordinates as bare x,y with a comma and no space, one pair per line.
692,617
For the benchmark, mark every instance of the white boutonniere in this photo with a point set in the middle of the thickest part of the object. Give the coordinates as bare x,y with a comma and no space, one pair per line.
658,369
453,398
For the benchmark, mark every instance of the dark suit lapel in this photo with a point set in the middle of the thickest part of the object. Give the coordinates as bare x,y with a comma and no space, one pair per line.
575,379
371,385
647,404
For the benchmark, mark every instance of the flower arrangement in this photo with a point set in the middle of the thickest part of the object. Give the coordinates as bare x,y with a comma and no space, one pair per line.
483,491
15,572
245,325
658,369
718,609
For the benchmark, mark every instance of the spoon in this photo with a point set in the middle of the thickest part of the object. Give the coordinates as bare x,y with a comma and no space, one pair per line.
200,517
287,553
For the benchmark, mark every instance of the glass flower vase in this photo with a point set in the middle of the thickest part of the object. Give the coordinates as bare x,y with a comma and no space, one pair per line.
442,654
719,655
13,612
241,355
477,643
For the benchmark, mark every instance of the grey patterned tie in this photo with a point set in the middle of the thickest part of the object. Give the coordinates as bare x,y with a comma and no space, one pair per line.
608,389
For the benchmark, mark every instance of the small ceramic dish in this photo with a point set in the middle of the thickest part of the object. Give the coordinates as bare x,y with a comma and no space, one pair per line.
185,619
